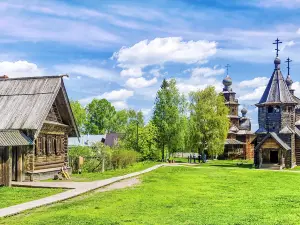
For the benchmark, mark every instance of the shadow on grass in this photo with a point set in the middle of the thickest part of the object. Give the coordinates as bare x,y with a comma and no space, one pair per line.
245,166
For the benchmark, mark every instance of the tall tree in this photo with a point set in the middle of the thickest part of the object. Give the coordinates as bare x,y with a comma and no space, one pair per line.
120,121
79,114
209,121
100,114
166,118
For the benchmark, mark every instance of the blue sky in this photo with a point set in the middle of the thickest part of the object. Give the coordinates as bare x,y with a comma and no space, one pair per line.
121,50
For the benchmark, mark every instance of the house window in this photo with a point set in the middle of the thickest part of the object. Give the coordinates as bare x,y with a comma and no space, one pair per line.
57,146
49,145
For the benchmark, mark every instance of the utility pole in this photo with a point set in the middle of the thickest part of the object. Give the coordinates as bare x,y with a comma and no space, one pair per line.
137,135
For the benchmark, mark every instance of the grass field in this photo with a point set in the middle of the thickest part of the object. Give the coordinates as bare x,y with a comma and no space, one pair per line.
217,193
84,177
16,195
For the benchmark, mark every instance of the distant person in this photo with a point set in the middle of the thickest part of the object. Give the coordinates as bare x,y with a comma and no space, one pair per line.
194,157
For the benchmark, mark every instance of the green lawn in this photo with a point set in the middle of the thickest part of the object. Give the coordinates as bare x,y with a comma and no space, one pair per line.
16,195
211,194
84,177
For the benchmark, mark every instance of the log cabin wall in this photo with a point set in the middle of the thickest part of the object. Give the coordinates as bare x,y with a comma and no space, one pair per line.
50,146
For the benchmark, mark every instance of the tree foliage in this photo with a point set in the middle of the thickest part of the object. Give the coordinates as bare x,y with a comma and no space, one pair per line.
208,121
79,114
168,111
100,116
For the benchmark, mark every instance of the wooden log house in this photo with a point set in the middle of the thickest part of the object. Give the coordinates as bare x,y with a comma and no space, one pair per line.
36,121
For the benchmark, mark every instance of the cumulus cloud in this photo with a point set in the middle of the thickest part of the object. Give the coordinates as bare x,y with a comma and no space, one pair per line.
162,50
296,87
287,44
140,82
256,82
119,105
254,95
199,79
121,94
115,97
206,72
19,69
132,72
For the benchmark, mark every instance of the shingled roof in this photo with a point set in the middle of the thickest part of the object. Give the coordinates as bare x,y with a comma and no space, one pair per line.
26,102
277,90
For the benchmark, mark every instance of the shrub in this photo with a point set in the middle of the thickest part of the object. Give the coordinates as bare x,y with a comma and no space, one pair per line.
122,158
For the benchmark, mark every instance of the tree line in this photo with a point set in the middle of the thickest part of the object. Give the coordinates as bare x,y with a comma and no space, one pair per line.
198,123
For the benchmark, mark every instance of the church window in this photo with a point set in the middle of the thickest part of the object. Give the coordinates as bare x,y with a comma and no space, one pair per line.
270,109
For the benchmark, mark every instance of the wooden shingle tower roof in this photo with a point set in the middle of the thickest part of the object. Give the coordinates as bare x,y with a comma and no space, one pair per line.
277,90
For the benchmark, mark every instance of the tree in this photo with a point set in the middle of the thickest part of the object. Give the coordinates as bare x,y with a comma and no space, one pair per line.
100,114
120,121
79,114
167,112
134,126
209,122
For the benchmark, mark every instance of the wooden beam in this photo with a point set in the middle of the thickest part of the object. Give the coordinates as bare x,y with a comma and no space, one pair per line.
7,168
19,164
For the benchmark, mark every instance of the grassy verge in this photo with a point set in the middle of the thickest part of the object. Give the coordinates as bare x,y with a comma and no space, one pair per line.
15,195
182,195
85,177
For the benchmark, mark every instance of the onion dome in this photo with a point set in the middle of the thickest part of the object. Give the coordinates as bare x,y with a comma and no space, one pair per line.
289,81
277,60
227,81
244,111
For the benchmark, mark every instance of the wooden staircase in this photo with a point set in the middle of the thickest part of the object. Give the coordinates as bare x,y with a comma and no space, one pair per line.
271,166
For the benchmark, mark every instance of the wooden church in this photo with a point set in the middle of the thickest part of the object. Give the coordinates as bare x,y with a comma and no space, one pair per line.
278,138
36,121
238,143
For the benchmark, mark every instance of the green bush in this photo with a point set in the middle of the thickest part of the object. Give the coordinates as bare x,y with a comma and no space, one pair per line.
122,158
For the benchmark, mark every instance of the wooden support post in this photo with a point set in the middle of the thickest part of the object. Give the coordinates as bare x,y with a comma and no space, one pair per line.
19,164
7,168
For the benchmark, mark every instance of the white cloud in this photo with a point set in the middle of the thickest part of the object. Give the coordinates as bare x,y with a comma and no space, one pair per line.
287,44
256,82
119,105
296,87
254,95
114,96
121,94
207,72
146,112
89,71
140,82
132,72
162,50
19,69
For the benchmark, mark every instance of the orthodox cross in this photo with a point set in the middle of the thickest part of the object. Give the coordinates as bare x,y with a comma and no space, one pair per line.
277,42
288,62
227,67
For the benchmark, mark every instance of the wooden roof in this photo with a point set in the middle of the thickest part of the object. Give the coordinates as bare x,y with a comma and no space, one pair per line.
26,102
14,138
277,90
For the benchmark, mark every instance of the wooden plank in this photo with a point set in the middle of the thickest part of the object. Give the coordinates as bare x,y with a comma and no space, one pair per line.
19,164
7,172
